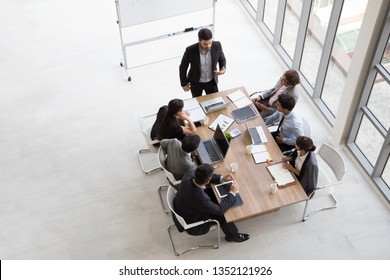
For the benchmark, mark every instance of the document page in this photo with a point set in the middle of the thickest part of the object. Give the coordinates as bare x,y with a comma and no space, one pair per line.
224,122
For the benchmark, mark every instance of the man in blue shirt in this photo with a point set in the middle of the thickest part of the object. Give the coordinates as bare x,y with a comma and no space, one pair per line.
290,123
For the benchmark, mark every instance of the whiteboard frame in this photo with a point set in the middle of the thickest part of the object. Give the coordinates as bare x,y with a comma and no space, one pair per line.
124,45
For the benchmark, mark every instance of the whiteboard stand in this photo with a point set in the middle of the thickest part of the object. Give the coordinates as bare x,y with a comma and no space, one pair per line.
133,12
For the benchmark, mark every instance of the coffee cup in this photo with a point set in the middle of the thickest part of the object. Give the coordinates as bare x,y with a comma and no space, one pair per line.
273,187
233,167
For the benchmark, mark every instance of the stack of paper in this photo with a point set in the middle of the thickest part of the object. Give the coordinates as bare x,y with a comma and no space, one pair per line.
281,175
239,99
260,154
193,108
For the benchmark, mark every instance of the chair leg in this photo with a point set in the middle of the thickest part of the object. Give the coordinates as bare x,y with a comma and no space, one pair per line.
161,199
215,246
142,165
334,205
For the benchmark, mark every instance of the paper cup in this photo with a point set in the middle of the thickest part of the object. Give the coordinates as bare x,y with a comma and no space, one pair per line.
249,149
233,167
273,187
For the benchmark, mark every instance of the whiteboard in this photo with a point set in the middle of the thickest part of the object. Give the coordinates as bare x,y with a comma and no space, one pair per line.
132,12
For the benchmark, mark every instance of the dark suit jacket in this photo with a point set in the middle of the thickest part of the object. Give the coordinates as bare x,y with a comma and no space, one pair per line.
193,204
191,57
308,176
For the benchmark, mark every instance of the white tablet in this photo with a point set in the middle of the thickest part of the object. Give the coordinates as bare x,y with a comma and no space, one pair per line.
223,189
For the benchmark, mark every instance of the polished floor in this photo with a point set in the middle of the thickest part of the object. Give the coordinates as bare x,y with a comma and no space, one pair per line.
70,181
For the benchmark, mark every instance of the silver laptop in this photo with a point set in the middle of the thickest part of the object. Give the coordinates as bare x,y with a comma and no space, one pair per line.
214,104
257,135
215,149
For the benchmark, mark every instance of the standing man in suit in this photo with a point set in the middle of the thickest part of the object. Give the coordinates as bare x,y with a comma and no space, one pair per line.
179,158
202,58
195,202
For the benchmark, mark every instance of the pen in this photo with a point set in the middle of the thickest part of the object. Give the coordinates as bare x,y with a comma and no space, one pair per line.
268,161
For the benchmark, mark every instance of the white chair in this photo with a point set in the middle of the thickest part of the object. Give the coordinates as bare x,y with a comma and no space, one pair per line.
336,164
161,157
170,197
306,128
139,122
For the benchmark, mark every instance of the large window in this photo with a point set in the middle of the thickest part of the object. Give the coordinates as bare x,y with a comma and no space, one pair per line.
319,37
342,53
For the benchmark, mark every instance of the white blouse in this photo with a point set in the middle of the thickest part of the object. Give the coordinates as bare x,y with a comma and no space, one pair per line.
299,161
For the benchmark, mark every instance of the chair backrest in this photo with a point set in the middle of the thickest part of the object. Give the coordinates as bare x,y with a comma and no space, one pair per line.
162,156
333,159
306,128
139,122
171,194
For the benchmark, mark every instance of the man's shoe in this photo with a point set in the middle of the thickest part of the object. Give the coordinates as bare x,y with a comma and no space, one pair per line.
241,237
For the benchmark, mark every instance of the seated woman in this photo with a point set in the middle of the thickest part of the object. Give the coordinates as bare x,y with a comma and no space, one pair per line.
266,102
303,163
172,124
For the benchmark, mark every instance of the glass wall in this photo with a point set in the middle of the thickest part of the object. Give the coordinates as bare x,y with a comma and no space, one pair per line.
318,38
342,53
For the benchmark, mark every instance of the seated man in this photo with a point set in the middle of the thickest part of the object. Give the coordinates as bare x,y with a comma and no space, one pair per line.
196,203
179,158
290,123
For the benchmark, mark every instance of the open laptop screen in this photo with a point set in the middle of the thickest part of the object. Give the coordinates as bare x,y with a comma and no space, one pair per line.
221,140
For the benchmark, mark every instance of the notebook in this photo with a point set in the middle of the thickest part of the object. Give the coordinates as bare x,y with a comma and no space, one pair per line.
239,99
193,108
223,190
244,114
260,154
214,104
215,149
281,175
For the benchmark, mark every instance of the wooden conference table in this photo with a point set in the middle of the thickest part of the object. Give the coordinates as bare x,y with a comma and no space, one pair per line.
254,179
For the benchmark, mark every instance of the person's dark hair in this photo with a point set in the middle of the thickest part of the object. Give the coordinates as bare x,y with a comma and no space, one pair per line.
291,77
174,107
190,142
203,173
305,143
287,101
205,34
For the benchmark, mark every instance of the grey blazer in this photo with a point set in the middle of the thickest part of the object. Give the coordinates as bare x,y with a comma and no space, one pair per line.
178,161
308,175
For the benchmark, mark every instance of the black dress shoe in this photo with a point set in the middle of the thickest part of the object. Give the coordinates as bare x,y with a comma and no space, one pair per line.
241,237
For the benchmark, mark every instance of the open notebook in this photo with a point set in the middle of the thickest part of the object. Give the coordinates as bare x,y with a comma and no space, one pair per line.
282,176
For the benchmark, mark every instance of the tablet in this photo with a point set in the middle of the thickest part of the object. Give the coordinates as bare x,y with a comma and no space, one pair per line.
223,189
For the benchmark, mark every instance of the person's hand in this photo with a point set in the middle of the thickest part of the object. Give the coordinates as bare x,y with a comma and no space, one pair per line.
227,177
220,72
187,87
287,165
183,116
284,158
234,187
260,106
257,99
279,139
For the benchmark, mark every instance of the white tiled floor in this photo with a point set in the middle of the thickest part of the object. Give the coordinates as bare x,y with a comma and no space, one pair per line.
70,182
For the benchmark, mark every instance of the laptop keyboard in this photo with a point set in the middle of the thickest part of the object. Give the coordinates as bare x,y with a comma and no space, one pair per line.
211,151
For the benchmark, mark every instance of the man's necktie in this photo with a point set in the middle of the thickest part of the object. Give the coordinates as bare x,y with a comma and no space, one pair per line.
280,124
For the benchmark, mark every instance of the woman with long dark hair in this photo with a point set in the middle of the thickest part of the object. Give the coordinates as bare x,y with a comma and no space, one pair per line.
303,163
173,123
